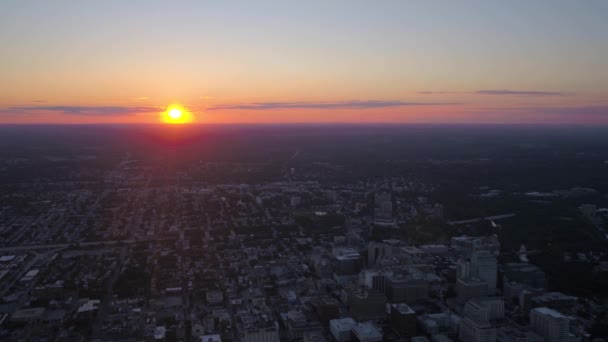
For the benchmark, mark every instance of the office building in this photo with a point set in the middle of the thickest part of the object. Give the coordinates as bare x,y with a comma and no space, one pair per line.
484,267
524,273
366,332
471,288
403,320
406,289
341,328
466,245
472,330
512,333
551,325
487,309
367,305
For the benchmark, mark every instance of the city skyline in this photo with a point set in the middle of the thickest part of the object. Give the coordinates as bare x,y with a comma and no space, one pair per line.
303,171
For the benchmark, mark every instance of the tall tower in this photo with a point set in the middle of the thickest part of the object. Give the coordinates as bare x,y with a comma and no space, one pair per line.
484,267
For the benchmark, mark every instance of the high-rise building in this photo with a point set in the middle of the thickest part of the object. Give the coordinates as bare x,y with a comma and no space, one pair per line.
463,269
383,209
553,300
441,322
375,280
487,309
367,305
340,328
297,323
551,325
313,336
347,261
367,332
469,244
375,252
407,289
471,288
513,333
484,267
403,320
472,330
327,308
524,273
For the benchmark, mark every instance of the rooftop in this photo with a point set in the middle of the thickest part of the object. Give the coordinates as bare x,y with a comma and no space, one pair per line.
366,331
29,313
549,312
403,308
343,324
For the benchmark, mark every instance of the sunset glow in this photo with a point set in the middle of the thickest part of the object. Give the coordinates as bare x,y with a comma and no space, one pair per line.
305,62
176,114
303,170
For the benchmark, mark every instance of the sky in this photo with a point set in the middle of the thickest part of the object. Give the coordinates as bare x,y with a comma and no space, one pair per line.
288,61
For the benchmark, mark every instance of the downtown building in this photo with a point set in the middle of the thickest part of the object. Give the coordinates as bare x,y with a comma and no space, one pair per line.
487,309
475,330
551,325
403,320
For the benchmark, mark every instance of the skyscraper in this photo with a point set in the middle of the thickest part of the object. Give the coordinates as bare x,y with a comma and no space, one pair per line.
488,309
472,330
550,324
484,267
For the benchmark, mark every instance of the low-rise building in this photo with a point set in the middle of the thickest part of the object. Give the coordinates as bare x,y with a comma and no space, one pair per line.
366,332
341,328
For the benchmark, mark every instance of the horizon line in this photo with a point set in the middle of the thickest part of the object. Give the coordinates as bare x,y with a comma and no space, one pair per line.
337,123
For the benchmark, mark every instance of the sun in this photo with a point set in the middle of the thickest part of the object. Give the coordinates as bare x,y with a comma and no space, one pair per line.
176,114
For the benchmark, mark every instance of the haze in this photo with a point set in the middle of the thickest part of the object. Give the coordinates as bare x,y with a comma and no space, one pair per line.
305,62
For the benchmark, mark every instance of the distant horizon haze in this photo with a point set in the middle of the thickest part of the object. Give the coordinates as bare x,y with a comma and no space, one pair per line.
359,62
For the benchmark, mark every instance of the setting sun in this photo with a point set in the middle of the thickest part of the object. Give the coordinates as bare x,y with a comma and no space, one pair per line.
176,114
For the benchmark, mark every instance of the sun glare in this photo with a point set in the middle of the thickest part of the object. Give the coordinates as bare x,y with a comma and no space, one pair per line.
176,114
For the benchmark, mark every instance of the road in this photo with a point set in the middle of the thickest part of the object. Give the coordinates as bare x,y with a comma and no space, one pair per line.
489,218
106,302
66,245
25,269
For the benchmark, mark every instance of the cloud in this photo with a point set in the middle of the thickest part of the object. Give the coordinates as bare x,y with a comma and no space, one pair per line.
589,111
40,101
519,92
323,105
141,98
499,92
85,110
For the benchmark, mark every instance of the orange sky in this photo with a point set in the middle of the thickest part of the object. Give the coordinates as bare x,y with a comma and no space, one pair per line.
354,62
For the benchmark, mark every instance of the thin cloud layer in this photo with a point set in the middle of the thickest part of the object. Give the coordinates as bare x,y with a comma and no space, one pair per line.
498,92
323,105
86,110
591,111
519,92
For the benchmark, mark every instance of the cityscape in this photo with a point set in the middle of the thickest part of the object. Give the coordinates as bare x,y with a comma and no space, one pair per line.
303,171
311,240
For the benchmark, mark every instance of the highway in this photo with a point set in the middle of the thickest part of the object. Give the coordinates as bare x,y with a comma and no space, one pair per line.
66,245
